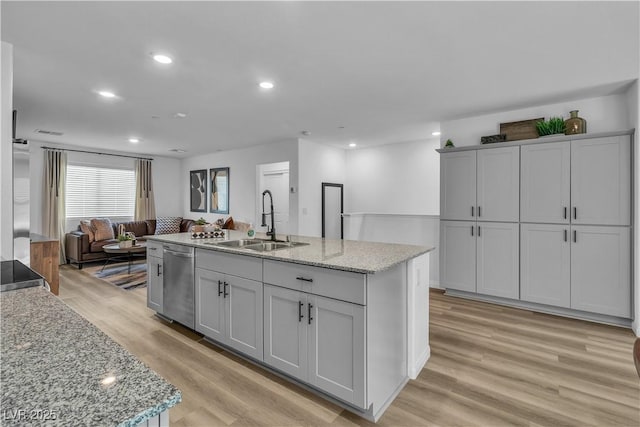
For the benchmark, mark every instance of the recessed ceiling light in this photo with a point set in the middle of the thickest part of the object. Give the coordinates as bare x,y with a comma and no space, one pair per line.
107,94
162,59
180,115
436,133
305,133
353,145
266,85
178,150
134,140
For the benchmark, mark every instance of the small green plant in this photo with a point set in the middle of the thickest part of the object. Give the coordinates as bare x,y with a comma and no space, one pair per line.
551,127
124,237
449,143
201,221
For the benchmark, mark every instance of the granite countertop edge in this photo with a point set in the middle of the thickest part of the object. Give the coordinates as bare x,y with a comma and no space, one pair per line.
279,255
153,411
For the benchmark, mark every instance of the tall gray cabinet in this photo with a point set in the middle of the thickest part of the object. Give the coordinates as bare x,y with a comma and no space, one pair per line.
542,222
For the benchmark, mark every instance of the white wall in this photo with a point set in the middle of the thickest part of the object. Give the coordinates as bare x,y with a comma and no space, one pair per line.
633,106
6,153
401,178
166,179
605,113
242,164
318,163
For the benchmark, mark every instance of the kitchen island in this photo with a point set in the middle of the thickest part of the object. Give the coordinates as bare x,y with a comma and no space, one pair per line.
57,369
345,319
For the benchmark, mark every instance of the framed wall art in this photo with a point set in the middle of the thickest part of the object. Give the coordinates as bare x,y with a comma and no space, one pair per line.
198,190
219,190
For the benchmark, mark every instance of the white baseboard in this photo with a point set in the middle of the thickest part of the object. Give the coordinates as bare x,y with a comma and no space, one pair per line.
635,327
419,363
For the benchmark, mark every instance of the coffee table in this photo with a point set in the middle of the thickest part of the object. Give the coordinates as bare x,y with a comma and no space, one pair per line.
124,253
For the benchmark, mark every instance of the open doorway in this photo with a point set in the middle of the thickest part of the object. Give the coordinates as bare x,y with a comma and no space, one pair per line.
275,178
332,210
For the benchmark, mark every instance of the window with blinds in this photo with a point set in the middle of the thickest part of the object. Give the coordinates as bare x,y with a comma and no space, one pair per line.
100,192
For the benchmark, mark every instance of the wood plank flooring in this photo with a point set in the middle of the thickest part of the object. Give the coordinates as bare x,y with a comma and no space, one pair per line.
490,366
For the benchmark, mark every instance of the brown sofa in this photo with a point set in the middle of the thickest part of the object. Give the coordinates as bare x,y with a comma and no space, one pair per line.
79,250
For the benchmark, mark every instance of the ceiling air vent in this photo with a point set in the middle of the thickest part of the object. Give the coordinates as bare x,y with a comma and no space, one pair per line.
48,132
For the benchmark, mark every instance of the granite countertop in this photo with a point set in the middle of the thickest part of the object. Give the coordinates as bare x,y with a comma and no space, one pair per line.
56,368
346,255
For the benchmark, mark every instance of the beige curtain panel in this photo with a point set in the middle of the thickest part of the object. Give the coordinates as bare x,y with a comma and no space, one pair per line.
145,204
55,212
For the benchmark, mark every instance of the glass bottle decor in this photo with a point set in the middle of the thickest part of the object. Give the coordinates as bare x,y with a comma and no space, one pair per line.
575,124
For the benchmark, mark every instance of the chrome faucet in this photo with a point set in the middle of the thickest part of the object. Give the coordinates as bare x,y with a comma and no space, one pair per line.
271,232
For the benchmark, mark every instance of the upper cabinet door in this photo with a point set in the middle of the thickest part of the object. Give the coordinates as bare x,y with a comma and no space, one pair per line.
458,185
601,181
545,182
498,197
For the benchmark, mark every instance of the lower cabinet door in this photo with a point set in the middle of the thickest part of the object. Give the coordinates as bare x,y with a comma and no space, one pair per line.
458,255
498,259
336,348
244,315
285,330
600,270
545,264
210,304
154,283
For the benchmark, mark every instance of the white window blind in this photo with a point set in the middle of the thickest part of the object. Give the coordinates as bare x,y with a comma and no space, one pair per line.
100,192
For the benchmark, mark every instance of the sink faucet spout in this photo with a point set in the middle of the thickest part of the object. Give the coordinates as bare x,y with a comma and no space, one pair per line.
270,232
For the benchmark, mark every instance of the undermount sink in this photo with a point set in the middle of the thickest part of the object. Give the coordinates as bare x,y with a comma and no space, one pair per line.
238,243
274,246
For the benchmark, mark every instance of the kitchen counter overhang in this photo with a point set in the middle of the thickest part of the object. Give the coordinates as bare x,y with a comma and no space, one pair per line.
56,368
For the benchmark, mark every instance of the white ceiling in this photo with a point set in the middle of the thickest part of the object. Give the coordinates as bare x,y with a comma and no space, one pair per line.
386,71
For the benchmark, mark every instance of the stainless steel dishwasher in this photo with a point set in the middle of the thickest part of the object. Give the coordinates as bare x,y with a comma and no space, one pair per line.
178,286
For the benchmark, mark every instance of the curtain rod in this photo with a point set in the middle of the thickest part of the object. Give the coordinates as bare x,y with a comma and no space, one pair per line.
96,152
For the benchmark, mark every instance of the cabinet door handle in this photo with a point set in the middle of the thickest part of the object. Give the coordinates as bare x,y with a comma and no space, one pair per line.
226,294
159,272
219,290
479,211
300,315
304,279
309,318
472,210
575,213
565,213
575,236
565,235
472,230
478,231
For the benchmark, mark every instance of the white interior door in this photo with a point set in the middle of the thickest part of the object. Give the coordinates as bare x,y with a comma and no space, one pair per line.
275,178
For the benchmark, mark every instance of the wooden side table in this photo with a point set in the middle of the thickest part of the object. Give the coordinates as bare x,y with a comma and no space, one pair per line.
45,259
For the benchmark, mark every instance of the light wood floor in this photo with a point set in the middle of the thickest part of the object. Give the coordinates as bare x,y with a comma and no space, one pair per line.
490,366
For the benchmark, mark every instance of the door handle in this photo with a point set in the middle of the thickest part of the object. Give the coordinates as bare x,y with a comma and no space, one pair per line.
565,213
225,290
575,236
479,211
309,318
472,211
575,213
472,230
478,231
300,315
219,290
159,272
565,235
304,279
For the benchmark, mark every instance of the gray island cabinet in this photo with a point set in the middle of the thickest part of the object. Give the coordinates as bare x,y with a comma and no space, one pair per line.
347,320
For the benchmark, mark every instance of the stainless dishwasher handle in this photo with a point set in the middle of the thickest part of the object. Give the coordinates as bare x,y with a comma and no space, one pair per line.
178,254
